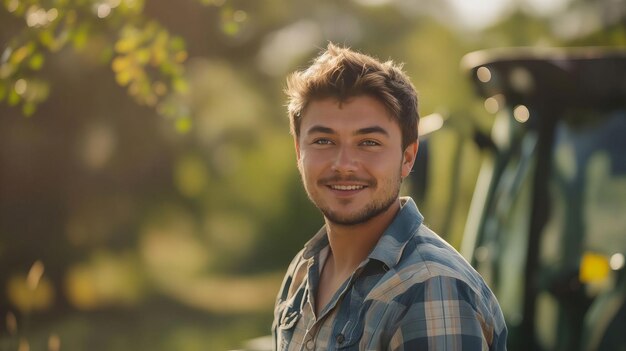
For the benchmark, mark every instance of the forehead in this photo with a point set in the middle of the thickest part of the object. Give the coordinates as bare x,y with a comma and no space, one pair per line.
352,112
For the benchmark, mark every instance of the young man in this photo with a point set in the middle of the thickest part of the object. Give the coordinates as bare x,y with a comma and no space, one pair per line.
374,277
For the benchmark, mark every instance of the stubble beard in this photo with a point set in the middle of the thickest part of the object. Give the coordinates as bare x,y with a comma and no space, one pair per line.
371,210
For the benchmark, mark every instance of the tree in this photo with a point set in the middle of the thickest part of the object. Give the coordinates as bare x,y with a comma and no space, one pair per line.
144,56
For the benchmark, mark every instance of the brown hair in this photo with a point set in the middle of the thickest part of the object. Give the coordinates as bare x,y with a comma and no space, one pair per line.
342,73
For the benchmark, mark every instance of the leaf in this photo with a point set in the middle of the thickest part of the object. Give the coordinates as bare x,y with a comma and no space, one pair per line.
128,43
177,44
46,38
142,56
36,61
230,28
14,98
6,70
167,69
183,125
120,63
80,37
123,77
20,54
158,55
180,85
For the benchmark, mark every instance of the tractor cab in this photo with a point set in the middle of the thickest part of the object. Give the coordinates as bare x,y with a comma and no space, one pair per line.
547,222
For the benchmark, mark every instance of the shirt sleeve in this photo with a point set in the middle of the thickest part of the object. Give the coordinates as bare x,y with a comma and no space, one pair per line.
442,313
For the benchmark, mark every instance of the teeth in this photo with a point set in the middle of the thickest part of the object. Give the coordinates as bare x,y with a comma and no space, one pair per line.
347,187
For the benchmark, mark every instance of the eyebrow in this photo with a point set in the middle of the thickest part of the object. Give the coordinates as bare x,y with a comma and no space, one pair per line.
320,129
372,130
362,131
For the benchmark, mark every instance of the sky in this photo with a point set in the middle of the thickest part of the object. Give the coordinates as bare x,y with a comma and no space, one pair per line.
478,14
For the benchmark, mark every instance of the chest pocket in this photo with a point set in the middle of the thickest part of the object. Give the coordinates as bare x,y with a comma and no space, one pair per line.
350,336
357,309
354,308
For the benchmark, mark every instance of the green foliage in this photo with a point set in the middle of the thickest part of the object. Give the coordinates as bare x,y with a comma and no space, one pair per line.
146,58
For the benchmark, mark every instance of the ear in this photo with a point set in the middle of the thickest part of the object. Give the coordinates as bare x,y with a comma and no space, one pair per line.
408,158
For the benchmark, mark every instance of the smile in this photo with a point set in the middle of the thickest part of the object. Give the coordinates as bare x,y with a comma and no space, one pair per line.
347,187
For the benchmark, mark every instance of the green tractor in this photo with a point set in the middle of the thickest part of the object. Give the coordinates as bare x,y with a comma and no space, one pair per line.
547,222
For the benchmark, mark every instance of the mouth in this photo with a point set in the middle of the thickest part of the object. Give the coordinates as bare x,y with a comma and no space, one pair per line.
346,187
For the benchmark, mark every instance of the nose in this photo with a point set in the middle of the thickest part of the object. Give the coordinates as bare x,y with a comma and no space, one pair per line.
345,161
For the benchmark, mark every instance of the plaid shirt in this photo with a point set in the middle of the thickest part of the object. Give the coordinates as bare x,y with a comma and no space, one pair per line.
413,292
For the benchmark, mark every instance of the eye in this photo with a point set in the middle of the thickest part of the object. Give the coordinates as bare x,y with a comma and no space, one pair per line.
370,143
322,141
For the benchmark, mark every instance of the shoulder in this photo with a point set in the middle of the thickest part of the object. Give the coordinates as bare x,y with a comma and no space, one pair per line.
438,292
428,256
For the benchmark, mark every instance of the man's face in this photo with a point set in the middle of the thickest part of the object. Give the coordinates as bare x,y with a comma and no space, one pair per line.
351,159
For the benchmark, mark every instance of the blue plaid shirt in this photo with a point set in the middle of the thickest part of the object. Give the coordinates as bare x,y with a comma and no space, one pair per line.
413,292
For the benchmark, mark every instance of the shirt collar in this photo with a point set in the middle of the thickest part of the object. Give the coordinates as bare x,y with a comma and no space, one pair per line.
389,248
316,244
391,244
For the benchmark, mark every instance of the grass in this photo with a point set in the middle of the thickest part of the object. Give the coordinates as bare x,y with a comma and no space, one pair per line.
157,326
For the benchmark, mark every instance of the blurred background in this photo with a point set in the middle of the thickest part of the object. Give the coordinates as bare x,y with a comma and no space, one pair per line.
149,198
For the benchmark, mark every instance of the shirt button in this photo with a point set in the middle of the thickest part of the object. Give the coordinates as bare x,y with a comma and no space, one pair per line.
340,338
310,344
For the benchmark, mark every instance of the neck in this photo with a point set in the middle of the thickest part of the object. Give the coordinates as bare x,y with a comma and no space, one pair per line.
351,244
